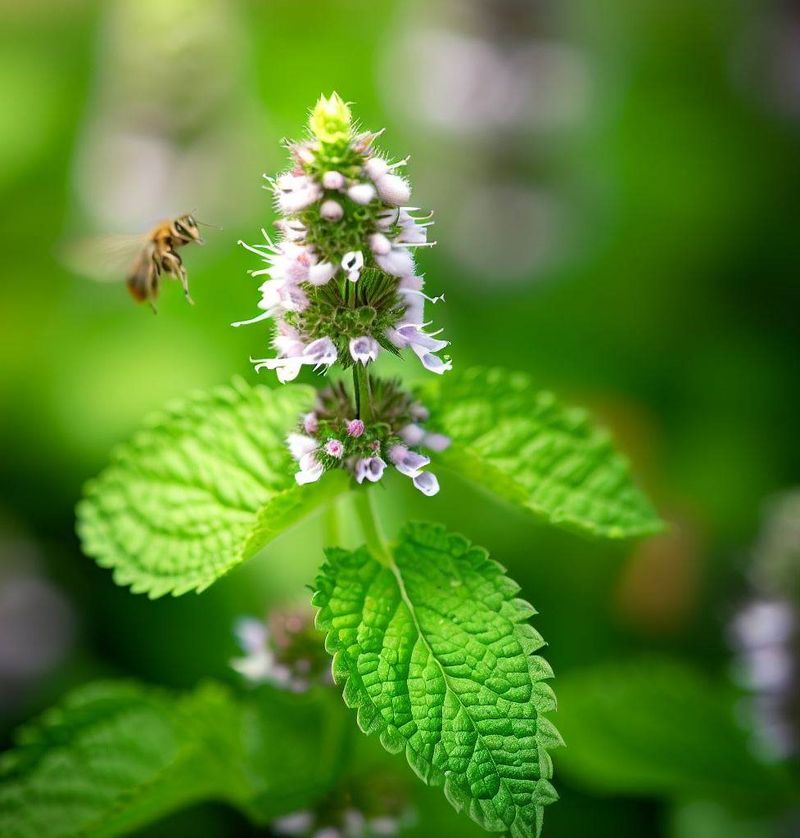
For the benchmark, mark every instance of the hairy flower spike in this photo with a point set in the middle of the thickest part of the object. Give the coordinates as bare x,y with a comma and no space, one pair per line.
342,271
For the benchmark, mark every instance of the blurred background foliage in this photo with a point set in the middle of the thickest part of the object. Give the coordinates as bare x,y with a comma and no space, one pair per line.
615,187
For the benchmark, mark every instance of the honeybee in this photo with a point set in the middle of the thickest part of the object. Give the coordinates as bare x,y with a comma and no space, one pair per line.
142,260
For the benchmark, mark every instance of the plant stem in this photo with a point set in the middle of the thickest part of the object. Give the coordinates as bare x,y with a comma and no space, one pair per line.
370,526
361,387
332,525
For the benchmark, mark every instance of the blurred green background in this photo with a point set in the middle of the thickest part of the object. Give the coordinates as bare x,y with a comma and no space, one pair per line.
615,188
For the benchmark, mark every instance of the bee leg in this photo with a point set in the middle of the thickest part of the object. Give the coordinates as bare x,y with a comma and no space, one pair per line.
173,264
184,280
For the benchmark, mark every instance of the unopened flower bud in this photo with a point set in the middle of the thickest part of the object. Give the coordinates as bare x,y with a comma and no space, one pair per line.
334,448
361,193
380,244
393,189
376,167
355,427
310,423
333,180
331,210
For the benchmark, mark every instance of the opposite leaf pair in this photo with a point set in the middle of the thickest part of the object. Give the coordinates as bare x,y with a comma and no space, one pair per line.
428,638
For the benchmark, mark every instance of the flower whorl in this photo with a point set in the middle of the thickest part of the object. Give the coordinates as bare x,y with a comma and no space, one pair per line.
341,284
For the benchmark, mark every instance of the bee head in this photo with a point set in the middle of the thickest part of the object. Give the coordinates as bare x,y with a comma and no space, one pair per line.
185,228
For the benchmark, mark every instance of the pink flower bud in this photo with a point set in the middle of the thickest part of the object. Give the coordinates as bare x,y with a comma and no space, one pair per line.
380,244
334,448
355,427
333,180
310,423
361,193
393,189
331,210
376,167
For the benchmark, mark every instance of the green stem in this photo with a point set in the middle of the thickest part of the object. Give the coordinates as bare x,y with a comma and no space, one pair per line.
361,387
370,526
332,525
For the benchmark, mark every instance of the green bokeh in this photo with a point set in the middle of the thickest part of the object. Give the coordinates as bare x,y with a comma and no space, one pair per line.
674,319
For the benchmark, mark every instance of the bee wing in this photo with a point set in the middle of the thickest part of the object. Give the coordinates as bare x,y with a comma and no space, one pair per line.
105,258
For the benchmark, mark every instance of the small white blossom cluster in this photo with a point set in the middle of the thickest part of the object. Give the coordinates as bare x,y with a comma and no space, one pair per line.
370,805
284,651
352,823
345,228
328,437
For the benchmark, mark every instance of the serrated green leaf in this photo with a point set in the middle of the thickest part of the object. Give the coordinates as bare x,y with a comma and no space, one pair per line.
203,486
525,447
656,726
116,756
434,653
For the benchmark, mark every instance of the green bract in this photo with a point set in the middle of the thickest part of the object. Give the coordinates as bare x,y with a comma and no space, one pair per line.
433,649
205,485
522,445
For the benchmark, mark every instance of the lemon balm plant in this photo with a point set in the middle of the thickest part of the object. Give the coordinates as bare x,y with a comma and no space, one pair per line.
430,641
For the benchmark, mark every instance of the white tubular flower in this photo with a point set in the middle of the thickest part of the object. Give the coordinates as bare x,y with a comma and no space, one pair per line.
393,189
288,341
364,349
300,445
333,180
318,353
387,218
409,463
370,468
311,469
296,192
321,353
410,231
361,193
293,231
353,262
427,483
322,273
331,210
397,262
423,345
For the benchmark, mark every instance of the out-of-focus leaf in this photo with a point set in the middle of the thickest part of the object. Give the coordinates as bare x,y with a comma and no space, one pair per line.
525,447
434,651
657,727
115,756
202,487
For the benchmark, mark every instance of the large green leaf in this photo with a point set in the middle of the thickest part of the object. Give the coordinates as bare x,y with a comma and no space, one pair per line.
433,649
525,447
115,756
658,727
203,486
